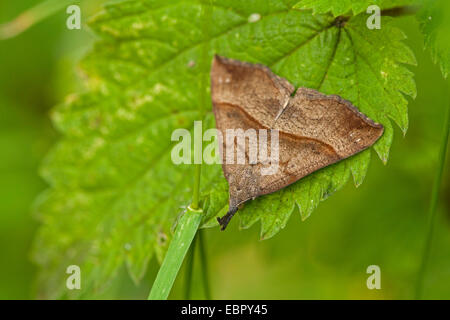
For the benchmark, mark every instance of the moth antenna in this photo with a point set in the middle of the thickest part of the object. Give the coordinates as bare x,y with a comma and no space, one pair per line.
226,218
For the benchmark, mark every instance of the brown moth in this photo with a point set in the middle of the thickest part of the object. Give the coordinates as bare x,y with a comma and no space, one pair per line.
314,130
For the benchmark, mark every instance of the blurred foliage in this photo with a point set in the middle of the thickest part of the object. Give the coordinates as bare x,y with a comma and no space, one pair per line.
435,24
383,222
37,71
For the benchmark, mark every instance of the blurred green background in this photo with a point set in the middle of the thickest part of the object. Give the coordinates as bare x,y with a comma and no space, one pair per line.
383,222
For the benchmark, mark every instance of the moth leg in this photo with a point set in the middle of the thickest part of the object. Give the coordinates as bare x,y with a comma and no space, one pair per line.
226,218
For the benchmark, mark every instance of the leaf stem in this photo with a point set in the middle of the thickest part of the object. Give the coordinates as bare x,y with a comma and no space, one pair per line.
204,263
400,11
196,186
433,205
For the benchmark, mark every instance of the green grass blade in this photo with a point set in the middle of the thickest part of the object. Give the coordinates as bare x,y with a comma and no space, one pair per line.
433,205
204,263
32,16
179,246
190,269
188,225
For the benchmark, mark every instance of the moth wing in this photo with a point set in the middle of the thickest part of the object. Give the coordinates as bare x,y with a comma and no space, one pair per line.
253,88
315,130
330,120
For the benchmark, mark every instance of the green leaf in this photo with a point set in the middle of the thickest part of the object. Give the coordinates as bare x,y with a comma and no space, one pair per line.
115,193
434,21
340,7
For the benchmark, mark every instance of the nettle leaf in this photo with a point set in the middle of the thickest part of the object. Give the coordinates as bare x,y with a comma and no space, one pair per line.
340,7
115,193
434,21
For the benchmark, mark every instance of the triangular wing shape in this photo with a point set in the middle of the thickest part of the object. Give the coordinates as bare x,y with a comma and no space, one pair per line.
314,130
